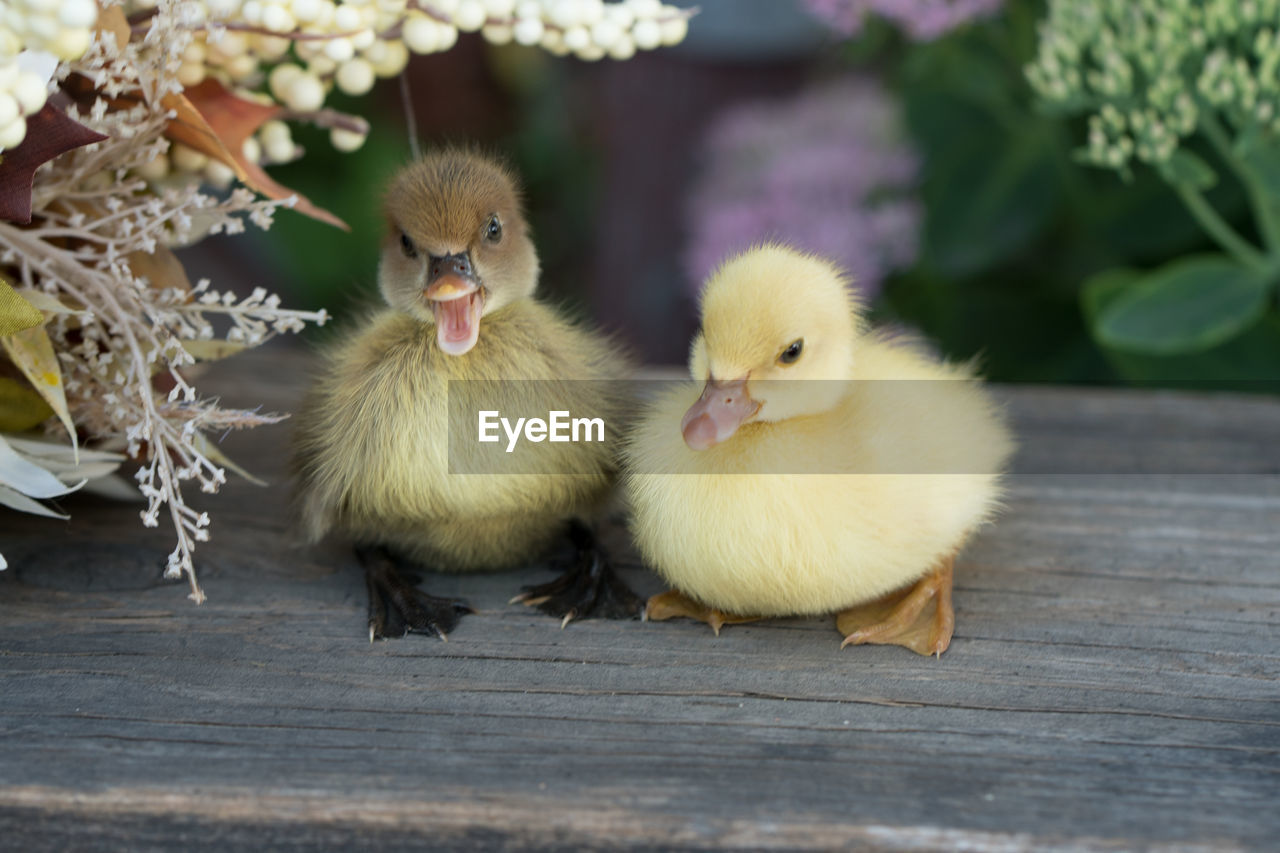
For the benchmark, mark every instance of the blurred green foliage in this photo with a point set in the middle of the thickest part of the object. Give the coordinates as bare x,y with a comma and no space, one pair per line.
1049,269
335,269
1044,267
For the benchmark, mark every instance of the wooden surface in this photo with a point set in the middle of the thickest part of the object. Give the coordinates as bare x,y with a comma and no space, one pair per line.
1114,682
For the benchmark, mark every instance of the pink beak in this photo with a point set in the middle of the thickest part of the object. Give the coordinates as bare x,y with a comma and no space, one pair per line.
721,409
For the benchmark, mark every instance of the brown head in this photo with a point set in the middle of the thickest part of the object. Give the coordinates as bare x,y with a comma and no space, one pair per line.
457,245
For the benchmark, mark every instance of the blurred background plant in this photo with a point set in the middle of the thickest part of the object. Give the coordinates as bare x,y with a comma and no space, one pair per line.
829,171
1075,190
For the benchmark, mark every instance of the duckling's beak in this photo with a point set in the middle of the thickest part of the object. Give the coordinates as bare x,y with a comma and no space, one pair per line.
457,301
723,407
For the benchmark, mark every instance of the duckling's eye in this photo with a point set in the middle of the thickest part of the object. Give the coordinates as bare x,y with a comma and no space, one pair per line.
792,353
493,230
406,246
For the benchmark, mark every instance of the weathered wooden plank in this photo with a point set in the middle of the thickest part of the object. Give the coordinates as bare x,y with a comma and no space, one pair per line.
1113,683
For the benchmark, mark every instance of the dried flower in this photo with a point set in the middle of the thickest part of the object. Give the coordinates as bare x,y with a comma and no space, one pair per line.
120,319
827,171
921,20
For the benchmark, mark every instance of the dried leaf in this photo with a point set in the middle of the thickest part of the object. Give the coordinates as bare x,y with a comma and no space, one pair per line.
189,127
161,267
259,181
16,313
32,352
216,456
212,350
56,456
49,134
16,500
47,302
232,119
21,408
99,467
111,20
27,477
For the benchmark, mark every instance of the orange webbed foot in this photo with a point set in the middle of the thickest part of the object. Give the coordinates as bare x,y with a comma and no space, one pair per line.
906,619
673,603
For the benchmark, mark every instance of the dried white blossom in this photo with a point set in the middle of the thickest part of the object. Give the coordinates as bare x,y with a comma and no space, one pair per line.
94,226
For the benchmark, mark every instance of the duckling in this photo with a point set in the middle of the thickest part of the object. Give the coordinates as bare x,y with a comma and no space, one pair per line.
798,481
381,455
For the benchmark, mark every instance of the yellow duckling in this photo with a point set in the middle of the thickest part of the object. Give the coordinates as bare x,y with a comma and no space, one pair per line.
374,456
823,469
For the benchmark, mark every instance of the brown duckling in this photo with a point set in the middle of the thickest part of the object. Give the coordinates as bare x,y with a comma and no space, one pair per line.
375,461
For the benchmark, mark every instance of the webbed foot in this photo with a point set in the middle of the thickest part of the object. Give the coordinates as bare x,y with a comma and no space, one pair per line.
397,607
906,620
589,589
673,603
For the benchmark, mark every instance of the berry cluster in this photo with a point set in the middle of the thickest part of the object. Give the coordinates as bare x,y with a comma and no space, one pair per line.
62,28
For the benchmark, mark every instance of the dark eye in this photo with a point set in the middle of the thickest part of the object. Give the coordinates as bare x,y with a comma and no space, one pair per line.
493,230
791,353
406,245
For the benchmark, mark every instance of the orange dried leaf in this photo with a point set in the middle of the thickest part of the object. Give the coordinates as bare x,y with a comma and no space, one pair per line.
189,127
231,120
161,267
259,181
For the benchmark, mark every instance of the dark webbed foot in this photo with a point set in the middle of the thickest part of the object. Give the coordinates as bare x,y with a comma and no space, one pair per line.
397,607
589,589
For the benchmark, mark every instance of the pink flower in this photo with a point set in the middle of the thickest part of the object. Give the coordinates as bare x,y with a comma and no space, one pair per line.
828,171
921,20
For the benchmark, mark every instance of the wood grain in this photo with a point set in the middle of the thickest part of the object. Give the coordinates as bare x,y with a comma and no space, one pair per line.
1114,682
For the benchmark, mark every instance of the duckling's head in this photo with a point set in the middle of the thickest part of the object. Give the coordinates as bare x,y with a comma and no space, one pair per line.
457,246
772,318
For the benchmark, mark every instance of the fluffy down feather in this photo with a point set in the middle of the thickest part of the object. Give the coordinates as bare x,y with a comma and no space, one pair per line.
890,476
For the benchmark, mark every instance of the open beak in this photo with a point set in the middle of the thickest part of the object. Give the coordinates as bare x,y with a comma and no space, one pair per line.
723,407
457,301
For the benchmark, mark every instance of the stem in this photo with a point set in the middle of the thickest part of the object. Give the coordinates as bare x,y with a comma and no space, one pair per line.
1218,228
327,118
1268,224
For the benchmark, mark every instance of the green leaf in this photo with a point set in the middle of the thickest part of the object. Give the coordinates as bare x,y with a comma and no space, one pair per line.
16,313
1186,168
1247,362
1189,305
1101,289
989,181
1264,163
987,206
